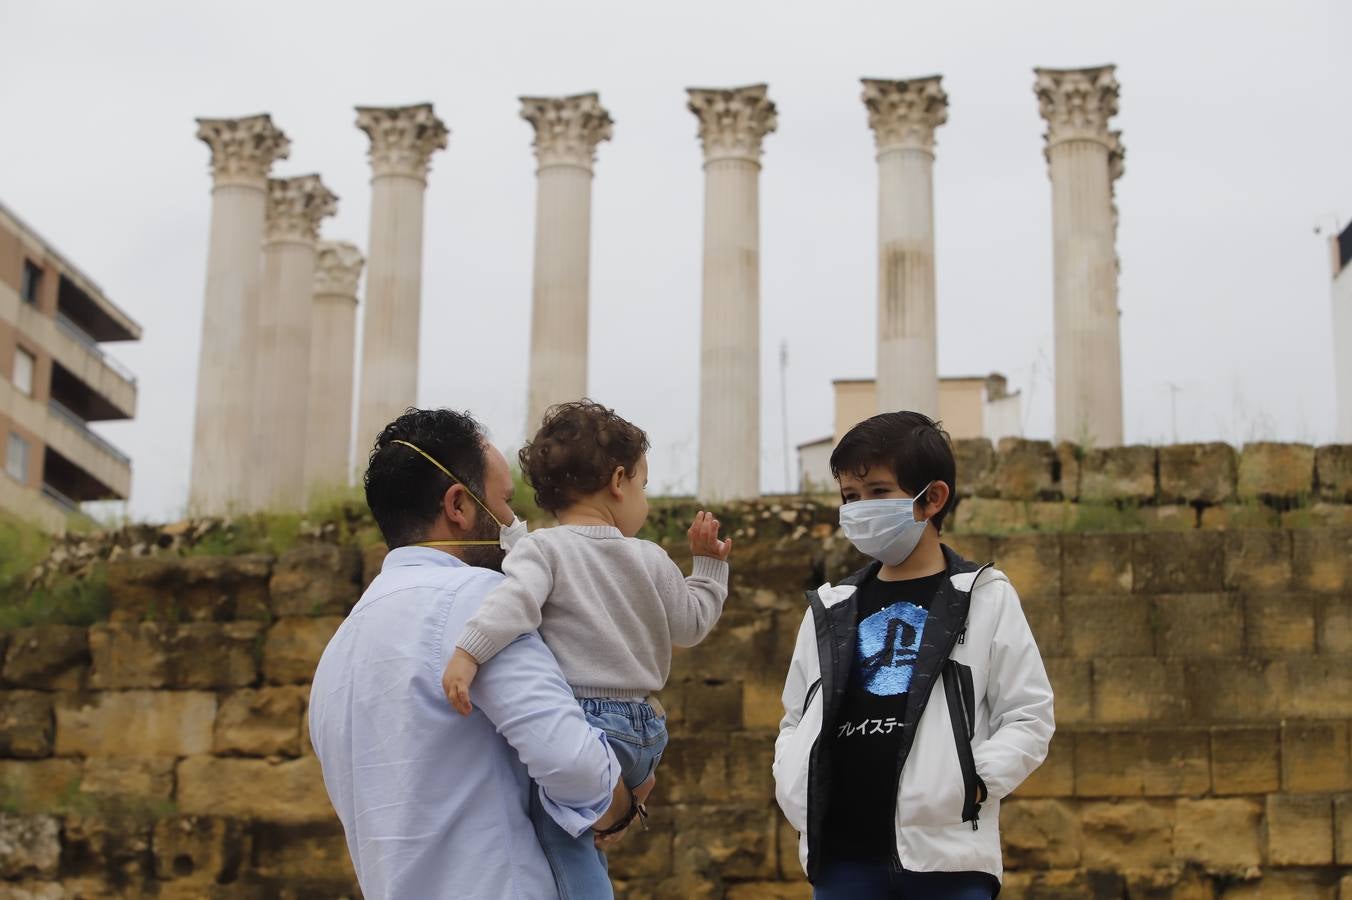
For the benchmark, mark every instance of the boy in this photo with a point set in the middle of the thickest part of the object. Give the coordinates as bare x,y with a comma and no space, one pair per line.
923,680
610,607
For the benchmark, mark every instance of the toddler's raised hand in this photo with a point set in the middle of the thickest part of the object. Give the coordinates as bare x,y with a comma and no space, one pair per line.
704,537
457,678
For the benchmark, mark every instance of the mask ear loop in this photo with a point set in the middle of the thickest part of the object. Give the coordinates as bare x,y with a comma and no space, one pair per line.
458,481
920,498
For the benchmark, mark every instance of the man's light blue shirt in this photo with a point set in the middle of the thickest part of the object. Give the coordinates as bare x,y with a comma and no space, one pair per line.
434,804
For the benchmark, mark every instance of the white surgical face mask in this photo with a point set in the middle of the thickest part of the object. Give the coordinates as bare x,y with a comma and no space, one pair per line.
508,535
886,530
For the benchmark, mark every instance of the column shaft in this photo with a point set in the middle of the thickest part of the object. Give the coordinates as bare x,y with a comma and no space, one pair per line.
389,373
908,366
558,361
333,342
1088,345
224,413
729,426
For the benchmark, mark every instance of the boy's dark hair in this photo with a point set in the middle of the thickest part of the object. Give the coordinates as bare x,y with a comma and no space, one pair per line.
577,449
913,446
403,489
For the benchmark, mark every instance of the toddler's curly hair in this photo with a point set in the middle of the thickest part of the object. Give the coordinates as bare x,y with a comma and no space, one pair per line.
576,450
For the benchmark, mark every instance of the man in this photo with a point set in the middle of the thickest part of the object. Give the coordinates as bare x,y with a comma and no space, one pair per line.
435,804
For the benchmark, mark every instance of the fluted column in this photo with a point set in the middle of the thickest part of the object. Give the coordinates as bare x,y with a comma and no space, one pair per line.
567,130
333,342
1084,158
903,116
732,125
281,360
242,154
403,140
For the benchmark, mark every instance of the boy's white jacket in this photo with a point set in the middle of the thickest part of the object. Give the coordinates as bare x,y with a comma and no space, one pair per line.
937,827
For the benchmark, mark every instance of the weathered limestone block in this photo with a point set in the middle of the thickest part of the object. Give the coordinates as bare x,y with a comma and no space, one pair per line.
644,853
1321,560
1071,683
43,890
790,866
1278,624
1244,759
288,792
293,646
743,635
988,515
769,890
1190,562
1257,560
25,724
1096,563
1031,561
1108,625
37,786
1056,776
115,847
1025,470
193,655
1139,690
1334,616
695,767
736,842
1172,883
1236,689
263,722
1063,884
1127,834
1333,472
975,458
1315,756
316,580
1188,626
1238,516
1342,830
1118,474
191,589
1273,471
134,778
197,849
1299,829
1278,884
49,657
136,723
1222,835
1040,834
1142,763
1068,458
29,846
1197,473
303,854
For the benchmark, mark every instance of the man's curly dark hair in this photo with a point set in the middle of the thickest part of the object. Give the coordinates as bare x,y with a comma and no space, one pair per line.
576,450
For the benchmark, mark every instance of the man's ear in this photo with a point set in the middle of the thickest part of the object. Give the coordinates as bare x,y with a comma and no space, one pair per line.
616,482
455,504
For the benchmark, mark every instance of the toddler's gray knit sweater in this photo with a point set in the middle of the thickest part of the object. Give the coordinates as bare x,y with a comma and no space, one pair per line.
608,606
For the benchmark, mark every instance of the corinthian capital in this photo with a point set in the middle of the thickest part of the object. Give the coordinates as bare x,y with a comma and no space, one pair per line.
904,114
243,150
403,138
1077,104
567,129
338,268
733,122
296,206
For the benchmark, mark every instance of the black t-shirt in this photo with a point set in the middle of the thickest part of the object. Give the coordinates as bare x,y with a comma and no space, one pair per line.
865,740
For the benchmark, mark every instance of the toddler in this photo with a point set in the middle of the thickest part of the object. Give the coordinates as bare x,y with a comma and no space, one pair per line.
609,606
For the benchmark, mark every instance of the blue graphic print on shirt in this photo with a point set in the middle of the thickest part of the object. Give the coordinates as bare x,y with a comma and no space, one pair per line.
889,641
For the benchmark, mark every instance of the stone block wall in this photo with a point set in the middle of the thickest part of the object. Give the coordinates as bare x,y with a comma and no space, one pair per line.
1203,678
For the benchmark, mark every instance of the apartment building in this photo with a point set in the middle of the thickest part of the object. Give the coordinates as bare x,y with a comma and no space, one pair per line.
55,379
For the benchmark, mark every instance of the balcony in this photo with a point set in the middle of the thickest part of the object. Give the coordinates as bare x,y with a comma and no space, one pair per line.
91,344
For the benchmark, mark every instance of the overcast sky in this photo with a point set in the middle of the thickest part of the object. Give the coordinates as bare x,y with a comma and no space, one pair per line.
1235,116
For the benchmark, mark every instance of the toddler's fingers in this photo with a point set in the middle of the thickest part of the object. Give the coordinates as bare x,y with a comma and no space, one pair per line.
461,701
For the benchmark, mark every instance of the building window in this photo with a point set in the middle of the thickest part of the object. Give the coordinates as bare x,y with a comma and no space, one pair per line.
23,370
16,458
32,279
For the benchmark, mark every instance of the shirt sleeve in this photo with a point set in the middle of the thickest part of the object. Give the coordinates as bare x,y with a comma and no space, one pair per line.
693,604
513,607
523,693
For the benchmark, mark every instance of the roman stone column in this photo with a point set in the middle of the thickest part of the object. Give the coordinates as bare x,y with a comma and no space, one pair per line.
732,124
333,343
1084,158
567,130
242,154
281,361
903,116
403,140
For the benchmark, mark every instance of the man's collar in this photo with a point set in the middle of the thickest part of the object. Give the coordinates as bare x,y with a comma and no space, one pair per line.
419,556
